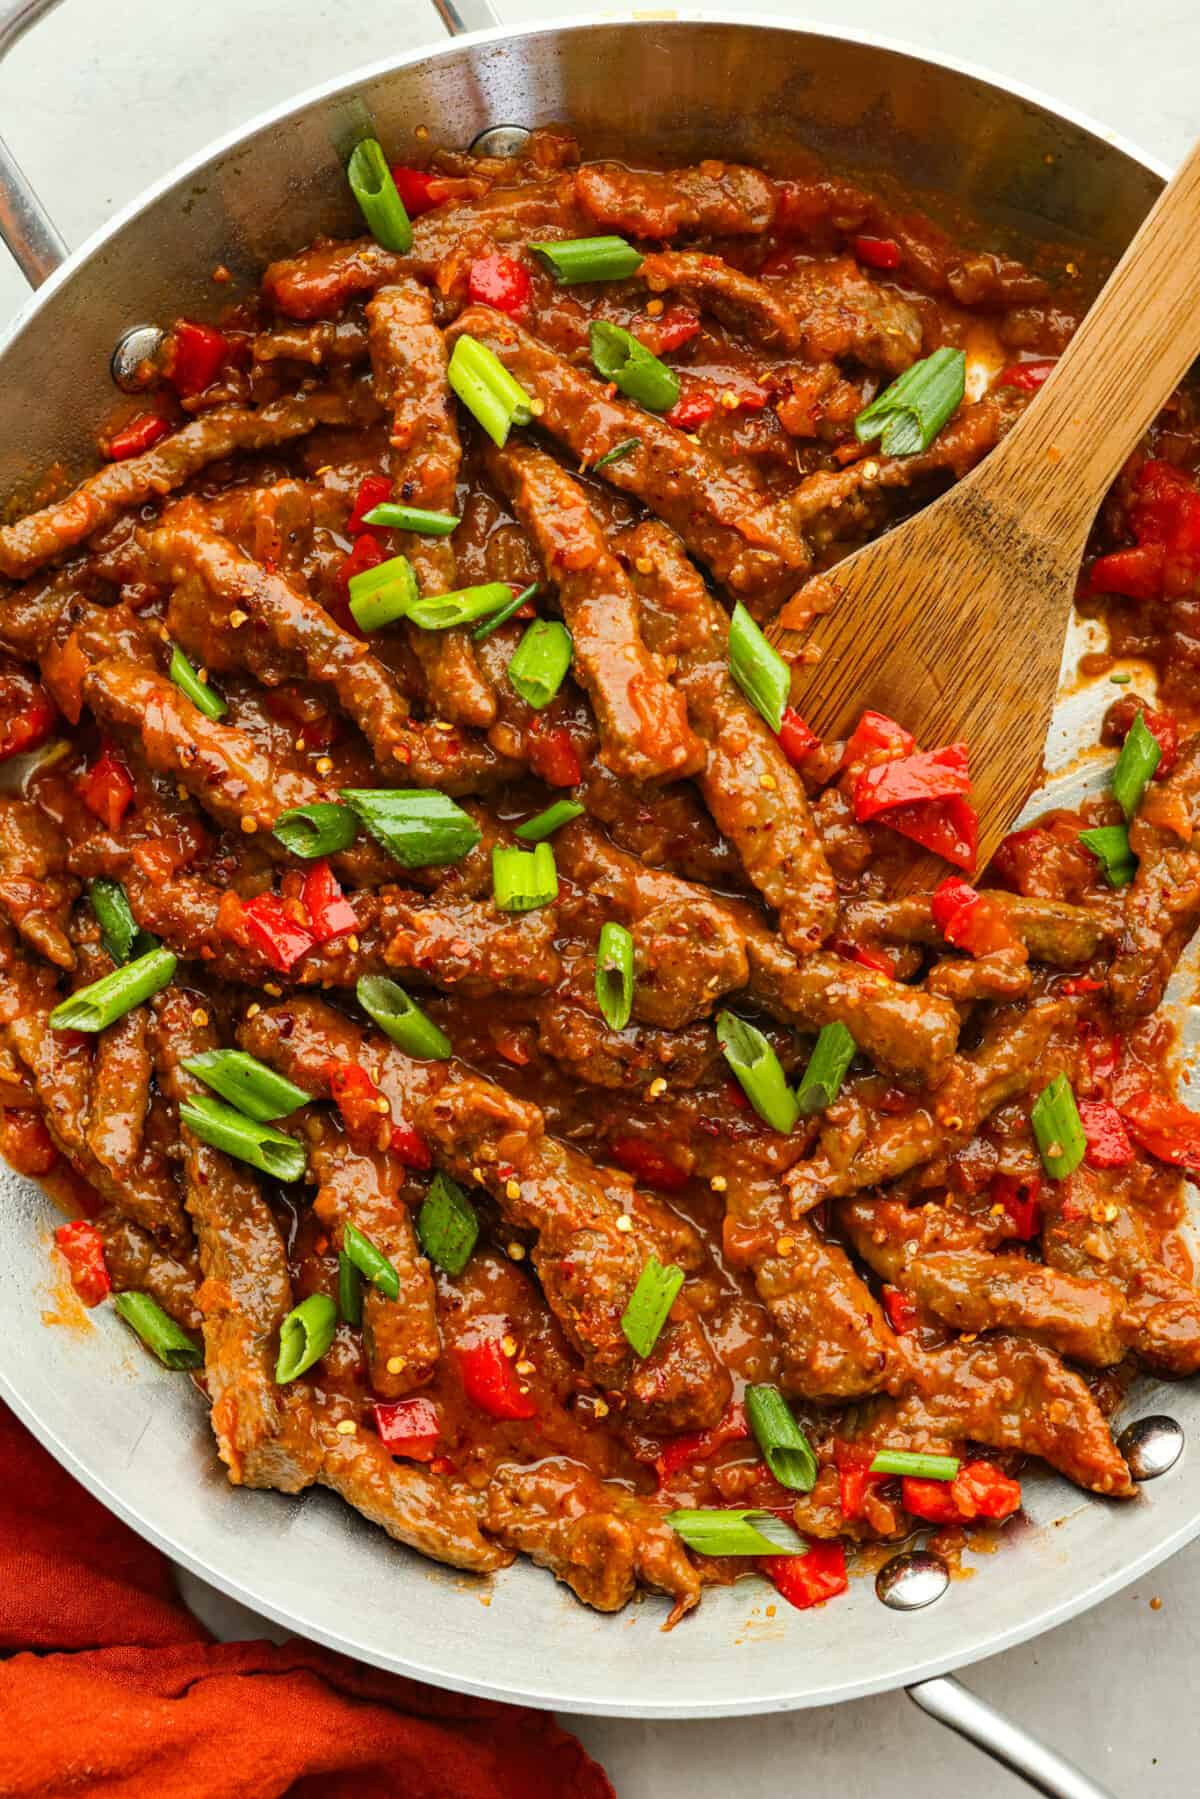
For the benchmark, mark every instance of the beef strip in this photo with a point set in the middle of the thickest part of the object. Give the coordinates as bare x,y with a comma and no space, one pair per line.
835,1341
758,311
36,891
590,1051
710,199
975,1291
136,1264
1053,931
666,827
330,341
301,1037
1162,905
122,1070
841,314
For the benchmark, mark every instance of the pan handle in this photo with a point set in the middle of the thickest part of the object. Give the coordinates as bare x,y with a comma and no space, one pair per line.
951,1704
25,225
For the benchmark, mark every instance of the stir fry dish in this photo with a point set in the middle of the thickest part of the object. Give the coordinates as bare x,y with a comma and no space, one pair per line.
469,1019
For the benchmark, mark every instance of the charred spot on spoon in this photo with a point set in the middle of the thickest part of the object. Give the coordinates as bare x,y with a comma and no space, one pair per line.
1151,1446
500,140
911,1581
136,349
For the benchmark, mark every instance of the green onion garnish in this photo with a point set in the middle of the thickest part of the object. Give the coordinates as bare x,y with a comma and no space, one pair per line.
244,1138
538,666
119,930
736,1532
1140,755
174,1347
247,1083
551,820
758,1071
758,668
420,827
629,365
305,1335
442,611
590,259
394,517
318,829
1120,680
206,699
350,1296
371,1263
487,390
523,880
832,1055
785,1447
372,185
916,1467
1111,844
400,1018
649,1303
908,415
379,596
1057,1127
618,452
95,1007
447,1225
506,612
614,976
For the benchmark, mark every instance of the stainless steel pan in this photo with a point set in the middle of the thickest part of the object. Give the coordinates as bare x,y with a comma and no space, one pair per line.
652,88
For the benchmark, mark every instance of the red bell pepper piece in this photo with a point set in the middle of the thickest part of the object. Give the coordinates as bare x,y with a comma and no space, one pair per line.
27,713
878,252
274,932
373,490
928,775
499,281
82,1248
901,1311
357,1098
1164,1128
796,740
1021,1200
876,734
865,956
1135,574
107,788
197,358
853,1462
330,913
367,553
141,433
677,326
970,920
691,410
980,1490
553,758
701,1445
490,1381
409,1147
1027,375
417,188
1081,983
949,827
808,1579
645,1163
1108,1144
26,1142
1166,508
408,1427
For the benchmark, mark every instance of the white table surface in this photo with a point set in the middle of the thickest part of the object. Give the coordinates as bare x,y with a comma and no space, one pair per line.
96,103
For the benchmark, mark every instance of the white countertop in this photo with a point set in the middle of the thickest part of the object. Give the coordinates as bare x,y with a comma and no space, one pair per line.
98,102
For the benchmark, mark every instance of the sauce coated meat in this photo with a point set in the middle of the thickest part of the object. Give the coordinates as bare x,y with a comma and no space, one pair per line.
507,1192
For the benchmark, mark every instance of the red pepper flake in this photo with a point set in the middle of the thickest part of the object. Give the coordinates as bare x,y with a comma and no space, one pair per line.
141,433
82,1248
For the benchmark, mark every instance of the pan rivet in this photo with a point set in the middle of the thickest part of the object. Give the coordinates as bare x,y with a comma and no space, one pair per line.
138,345
1151,1445
912,1580
501,140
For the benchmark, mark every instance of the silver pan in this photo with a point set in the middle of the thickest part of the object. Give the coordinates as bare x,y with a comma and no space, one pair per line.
653,88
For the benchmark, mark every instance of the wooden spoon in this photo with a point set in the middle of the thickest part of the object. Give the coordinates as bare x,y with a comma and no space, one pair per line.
954,622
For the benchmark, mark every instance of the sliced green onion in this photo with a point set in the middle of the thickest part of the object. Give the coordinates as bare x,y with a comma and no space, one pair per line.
1057,1127
318,829
174,1347
630,366
1111,844
523,880
420,827
614,976
832,1055
487,390
916,1467
244,1138
394,517
206,699
1140,755
506,612
590,259
786,1449
736,1532
442,611
1120,680
446,1225
119,929
379,596
350,1295
758,668
95,1007
538,666
371,1263
401,1018
649,1303
247,1083
758,1071
551,820
908,415
372,185
305,1335
618,452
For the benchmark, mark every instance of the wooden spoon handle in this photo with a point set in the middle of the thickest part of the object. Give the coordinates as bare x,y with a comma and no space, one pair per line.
1122,364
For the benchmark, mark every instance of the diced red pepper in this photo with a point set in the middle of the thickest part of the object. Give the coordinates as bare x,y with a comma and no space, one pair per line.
910,780
701,1445
373,490
1135,574
1166,511
1162,726
27,713
417,188
645,1163
410,1148
141,433
949,827
1027,375
1164,1128
357,1098
796,739
82,1248
878,252
854,1476
198,357
691,410
677,326
1081,983
26,1142
970,920
499,281
808,1579
408,1427
980,1490
948,899
274,932
330,913
900,1310
749,399
553,758
367,553
107,788
865,955
873,735
1021,1200
1108,1144
490,1381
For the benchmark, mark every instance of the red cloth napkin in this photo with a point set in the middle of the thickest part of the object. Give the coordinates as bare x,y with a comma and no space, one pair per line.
110,1687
